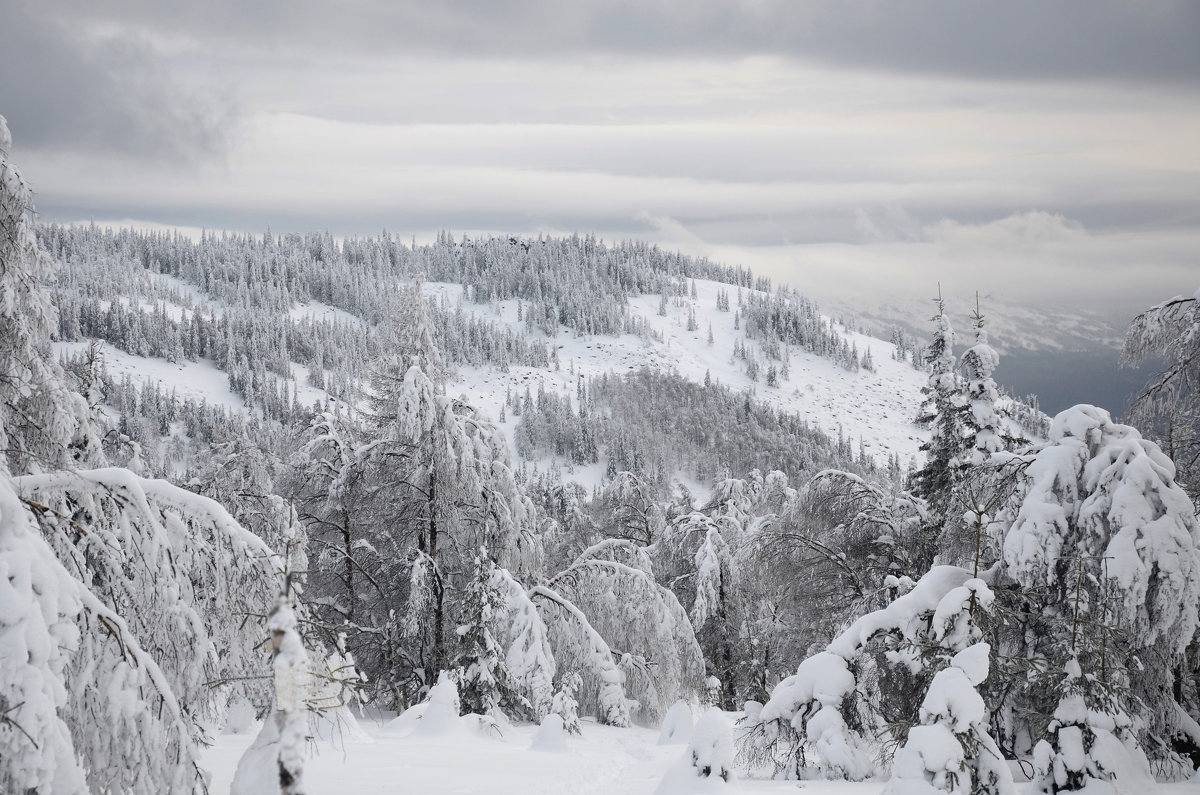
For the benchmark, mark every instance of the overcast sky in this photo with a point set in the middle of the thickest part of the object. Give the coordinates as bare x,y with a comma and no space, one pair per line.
1032,149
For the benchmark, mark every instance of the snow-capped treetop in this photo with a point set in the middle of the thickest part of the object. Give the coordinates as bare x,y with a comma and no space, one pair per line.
982,419
618,550
1100,492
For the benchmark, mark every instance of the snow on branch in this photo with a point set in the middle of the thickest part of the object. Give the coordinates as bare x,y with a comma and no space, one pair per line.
580,648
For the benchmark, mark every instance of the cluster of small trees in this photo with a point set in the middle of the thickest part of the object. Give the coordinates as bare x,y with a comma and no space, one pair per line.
1042,596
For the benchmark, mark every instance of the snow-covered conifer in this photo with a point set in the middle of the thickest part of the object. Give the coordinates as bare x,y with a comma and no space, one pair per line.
822,719
564,704
942,412
1100,526
982,419
707,764
950,750
1090,745
485,681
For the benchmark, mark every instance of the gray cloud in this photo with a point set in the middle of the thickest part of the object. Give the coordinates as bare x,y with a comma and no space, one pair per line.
1142,40
62,90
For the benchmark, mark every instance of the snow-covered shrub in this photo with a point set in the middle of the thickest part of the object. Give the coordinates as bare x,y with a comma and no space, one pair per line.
441,715
1090,745
707,764
564,704
677,725
823,720
550,734
951,750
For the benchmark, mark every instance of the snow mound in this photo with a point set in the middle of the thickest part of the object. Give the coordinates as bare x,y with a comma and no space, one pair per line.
407,720
441,712
707,765
339,726
550,736
258,769
677,725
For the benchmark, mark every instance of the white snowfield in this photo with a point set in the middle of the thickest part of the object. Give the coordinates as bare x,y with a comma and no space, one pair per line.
198,380
877,406
604,761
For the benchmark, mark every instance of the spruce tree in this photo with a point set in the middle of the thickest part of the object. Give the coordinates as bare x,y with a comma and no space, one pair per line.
943,414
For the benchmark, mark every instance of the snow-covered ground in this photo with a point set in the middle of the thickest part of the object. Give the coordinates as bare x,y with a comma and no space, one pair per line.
876,406
604,761
198,380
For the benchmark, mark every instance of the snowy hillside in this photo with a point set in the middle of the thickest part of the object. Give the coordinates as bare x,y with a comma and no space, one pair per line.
877,407
242,339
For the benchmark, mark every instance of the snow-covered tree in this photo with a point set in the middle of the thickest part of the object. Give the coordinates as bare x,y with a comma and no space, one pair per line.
528,655
827,717
643,621
982,420
950,750
844,546
943,413
1169,408
485,681
405,341
173,563
1090,744
43,424
1099,526
564,704
275,760
579,648
84,706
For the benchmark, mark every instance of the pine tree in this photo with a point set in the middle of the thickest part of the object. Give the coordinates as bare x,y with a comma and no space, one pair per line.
982,420
943,413
1090,745
485,681
1098,526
